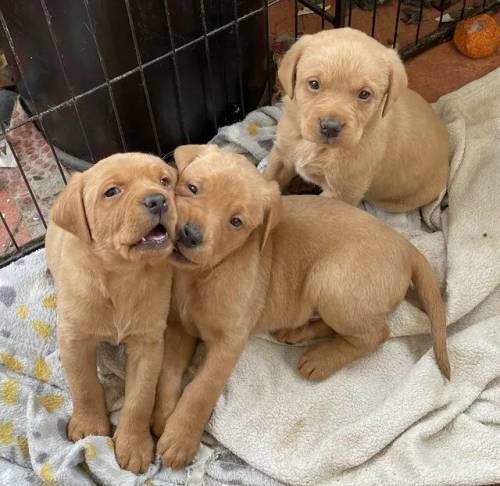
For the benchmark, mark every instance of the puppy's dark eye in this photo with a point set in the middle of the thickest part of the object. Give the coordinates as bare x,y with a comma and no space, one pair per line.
192,188
236,222
364,95
313,84
165,181
112,191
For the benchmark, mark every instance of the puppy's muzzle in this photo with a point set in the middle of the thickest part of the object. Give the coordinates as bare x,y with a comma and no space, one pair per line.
190,235
330,128
155,203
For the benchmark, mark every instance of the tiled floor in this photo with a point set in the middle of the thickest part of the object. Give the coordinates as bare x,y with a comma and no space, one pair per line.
44,179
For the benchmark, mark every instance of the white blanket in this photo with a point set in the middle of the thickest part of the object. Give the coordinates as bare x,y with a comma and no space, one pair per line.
391,418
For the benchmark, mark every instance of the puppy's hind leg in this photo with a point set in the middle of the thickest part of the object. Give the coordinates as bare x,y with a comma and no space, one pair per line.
311,330
322,360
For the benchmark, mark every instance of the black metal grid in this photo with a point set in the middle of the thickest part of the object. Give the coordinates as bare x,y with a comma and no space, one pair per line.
241,11
344,17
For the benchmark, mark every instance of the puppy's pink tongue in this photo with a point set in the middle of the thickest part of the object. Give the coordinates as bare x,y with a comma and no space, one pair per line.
158,233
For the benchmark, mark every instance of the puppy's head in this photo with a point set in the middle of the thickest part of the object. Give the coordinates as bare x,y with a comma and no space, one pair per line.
124,205
222,201
340,81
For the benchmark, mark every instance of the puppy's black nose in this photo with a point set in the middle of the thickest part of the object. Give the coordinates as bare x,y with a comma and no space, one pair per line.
330,128
190,235
155,203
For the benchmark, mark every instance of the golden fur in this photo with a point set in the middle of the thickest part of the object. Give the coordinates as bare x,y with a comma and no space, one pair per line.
113,286
392,149
291,258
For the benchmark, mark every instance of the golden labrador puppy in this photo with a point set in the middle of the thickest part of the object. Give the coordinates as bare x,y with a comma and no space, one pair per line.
352,126
107,245
250,260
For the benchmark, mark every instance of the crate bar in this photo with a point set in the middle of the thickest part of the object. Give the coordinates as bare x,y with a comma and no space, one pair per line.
462,13
441,35
340,11
174,52
209,62
323,8
189,44
240,56
420,16
441,14
37,116
143,78
106,76
349,21
31,246
296,19
374,17
329,18
66,79
268,53
9,232
396,27
23,175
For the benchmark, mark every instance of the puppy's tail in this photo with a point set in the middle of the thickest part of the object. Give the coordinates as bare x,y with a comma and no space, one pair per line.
429,294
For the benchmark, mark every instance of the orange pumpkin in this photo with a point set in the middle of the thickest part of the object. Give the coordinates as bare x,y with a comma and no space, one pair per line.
477,37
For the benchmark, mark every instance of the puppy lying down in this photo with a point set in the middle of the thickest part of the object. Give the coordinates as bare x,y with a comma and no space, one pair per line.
107,245
352,126
248,259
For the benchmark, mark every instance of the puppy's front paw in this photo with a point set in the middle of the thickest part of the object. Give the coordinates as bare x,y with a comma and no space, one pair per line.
290,336
81,425
313,365
178,445
134,450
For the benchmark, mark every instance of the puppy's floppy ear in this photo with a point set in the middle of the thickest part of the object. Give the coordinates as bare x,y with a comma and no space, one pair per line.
185,154
68,211
398,80
272,212
288,67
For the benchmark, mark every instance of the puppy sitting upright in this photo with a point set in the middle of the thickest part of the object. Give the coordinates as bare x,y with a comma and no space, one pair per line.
250,260
107,245
352,126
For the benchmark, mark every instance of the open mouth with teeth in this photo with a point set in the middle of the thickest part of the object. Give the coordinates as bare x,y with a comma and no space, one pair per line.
156,239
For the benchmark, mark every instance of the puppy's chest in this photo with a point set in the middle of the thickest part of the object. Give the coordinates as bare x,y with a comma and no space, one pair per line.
135,309
202,310
310,162
321,164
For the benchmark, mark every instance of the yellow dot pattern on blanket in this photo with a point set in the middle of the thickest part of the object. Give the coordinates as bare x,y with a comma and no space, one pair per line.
22,443
47,473
22,311
10,362
51,402
6,435
50,302
110,443
41,370
9,392
253,129
90,452
42,329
